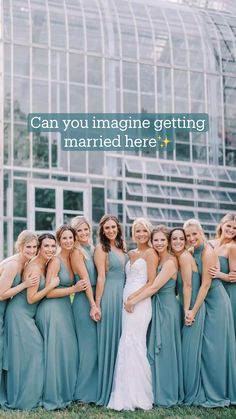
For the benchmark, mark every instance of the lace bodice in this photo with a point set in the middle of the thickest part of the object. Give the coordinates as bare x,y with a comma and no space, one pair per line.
136,272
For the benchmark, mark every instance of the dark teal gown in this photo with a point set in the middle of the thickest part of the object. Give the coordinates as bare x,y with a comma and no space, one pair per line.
192,338
55,320
164,347
86,331
109,327
23,353
229,287
218,347
3,306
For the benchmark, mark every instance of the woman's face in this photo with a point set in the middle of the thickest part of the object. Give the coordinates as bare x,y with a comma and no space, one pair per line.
67,240
177,241
29,249
141,234
48,248
83,233
160,242
229,230
110,229
193,236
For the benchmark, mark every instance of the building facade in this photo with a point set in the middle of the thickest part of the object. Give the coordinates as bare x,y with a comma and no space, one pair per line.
116,56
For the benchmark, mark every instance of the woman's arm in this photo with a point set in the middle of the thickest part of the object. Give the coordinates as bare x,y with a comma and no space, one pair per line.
33,295
79,268
232,263
209,259
52,272
152,260
100,262
185,263
168,270
7,277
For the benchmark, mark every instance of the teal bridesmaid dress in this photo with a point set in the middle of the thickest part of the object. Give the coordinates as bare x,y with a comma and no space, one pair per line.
229,286
164,347
23,353
86,331
54,318
218,347
192,338
109,328
3,306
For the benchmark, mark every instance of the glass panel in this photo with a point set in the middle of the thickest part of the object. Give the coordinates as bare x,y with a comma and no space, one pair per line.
135,188
185,215
21,22
98,204
146,78
21,145
186,193
45,198
18,226
39,96
205,216
21,60
39,26
169,191
154,190
205,195
76,31
77,71
58,65
40,150
134,211
57,28
96,162
73,200
45,221
40,63
93,31
154,213
130,76
221,196
170,214
20,199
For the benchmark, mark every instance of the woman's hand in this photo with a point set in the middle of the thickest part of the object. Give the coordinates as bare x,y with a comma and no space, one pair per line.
214,272
189,317
232,276
95,313
55,281
81,285
31,280
129,306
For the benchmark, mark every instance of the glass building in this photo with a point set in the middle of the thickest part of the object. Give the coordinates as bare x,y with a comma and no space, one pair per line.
116,56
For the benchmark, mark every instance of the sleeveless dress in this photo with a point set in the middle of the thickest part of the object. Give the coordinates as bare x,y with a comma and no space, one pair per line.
23,353
132,383
164,347
218,348
109,327
55,321
230,287
86,331
192,338
3,306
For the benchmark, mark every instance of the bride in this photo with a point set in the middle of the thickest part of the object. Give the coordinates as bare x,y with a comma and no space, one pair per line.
132,382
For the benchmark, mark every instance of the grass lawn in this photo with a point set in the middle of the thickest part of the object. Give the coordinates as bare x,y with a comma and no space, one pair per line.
77,411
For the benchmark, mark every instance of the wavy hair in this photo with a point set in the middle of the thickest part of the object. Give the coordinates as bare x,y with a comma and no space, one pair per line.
24,237
103,240
230,216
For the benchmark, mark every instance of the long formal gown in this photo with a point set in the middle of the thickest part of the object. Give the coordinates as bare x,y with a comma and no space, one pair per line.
55,320
132,382
218,348
164,347
109,328
230,287
3,306
86,331
23,353
192,338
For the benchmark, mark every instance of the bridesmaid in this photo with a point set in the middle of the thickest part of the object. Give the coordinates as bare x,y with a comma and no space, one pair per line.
10,284
55,321
84,306
225,248
132,383
164,340
110,259
218,350
23,341
189,283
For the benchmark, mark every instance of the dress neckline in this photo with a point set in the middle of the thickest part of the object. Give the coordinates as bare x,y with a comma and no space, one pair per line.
198,249
118,256
136,260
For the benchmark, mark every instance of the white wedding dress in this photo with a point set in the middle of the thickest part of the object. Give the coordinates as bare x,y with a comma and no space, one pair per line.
132,382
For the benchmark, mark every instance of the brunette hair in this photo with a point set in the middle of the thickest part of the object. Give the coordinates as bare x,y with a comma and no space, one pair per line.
106,246
228,217
45,236
24,237
177,229
61,230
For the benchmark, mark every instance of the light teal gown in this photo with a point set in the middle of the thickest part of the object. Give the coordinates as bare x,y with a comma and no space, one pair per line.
164,347
55,320
3,306
86,331
192,338
230,287
218,347
109,328
23,353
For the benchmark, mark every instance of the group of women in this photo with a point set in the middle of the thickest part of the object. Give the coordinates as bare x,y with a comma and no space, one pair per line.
152,326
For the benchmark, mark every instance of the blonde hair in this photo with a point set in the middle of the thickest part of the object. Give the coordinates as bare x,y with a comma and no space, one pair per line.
230,216
144,222
24,237
75,223
192,222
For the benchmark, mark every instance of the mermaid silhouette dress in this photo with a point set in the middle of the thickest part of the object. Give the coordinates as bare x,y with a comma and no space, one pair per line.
132,383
